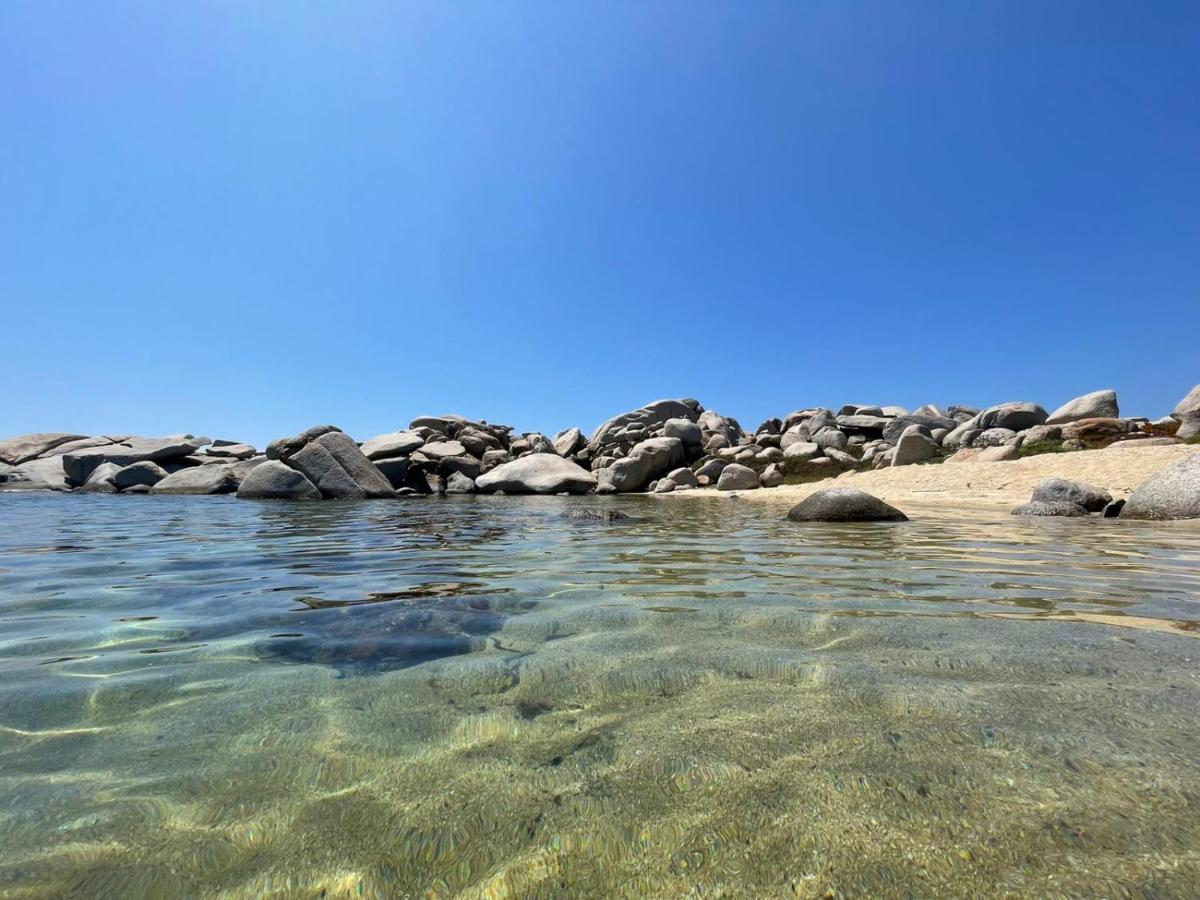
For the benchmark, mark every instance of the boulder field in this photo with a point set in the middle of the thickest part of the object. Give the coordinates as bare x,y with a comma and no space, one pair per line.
666,446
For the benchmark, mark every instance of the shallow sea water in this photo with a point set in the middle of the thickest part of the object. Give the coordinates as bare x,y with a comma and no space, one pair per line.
477,697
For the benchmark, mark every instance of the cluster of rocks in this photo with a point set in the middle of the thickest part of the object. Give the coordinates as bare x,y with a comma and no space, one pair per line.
1171,493
125,464
665,446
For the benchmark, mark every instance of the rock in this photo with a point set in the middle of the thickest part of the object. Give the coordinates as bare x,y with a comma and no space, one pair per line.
389,446
841,457
1002,453
932,409
830,437
538,473
735,477
273,480
683,476
913,447
1060,490
226,450
45,474
804,450
687,432
539,443
656,413
443,449
339,470
569,442
844,505
1050,508
1171,493
715,443
992,437
711,470
463,465
394,469
1013,416
894,411
144,472
477,441
101,479
1113,510
220,479
663,486
26,447
458,483
1098,433
1187,411
646,461
79,464
1096,405
867,425
772,476
595,515
713,425
283,448
897,427
493,458
1041,433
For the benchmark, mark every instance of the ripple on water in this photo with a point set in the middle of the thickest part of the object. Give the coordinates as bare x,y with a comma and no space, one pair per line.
480,697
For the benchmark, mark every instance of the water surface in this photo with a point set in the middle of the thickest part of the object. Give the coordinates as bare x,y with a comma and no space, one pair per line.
479,697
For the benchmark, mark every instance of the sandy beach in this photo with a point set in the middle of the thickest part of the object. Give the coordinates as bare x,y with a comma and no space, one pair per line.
974,484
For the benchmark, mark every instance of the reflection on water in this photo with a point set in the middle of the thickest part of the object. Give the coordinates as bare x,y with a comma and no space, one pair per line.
482,697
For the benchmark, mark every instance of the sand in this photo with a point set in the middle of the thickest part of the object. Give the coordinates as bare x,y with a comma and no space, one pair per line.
974,484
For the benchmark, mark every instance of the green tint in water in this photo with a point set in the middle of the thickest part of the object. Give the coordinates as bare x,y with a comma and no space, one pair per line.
478,697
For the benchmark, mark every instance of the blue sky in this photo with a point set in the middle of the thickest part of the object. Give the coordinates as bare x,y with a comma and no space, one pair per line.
243,219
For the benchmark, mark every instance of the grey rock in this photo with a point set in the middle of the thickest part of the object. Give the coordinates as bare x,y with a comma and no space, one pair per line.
144,472
894,411
711,470
538,473
1013,416
683,476
45,474
803,450
1187,411
892,431
101,479
647,460
992,437
226,450
338,468
273,480
868,425
841,457
1060,490
686,431
913,447
830,437
596,515
1050,508
569,442
389,446
79,464
221,479
1171,493
772,476
283,448
442,449
458,483
463,465
394,469
26,447
1096,405
735,477
713,424
663,486
844,505
656,413
1113,510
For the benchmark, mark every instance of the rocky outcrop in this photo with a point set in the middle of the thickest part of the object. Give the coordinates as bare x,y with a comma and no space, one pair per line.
1172,493
1096,405
31,446
646,461
1187,411
635,426
844,505
537,473
275,480
78,464
333,463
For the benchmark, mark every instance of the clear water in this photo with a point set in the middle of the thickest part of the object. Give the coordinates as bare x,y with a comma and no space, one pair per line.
478,697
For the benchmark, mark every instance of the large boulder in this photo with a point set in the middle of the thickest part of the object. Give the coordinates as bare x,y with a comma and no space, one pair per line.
274,480
396,443
21,449
46,474
1096,405
334,463
844,505
912,447
1187,411
144,472
79,464
537,473
101,480
1172,493
569,442
896,427
686,431
1060,490
216,479
736,477
653,414
646,461
1013,416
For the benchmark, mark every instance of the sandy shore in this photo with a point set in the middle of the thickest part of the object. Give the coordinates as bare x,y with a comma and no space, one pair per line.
975,484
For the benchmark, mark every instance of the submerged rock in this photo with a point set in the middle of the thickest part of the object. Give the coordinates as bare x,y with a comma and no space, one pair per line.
844,505
1050,508
596,515
1060,490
